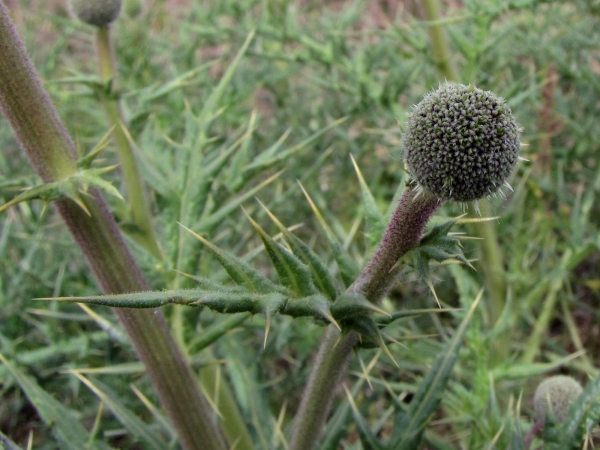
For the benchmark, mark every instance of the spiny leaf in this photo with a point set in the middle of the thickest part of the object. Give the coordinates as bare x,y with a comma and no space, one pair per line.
428,396
86,161
46,192
65,425
269,158
413,313
226,302
367,327
210,285
210,222
351,304
320,275
210,171
129,420
438,246
347,266
316,306
239,271
210,104
152,93
367,438
374,218
72,187
292,272
149,299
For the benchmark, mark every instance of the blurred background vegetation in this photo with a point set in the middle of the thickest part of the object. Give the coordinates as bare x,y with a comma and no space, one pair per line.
313,62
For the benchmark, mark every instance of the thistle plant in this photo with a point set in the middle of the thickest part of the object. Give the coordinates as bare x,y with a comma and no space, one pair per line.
199,158
308,289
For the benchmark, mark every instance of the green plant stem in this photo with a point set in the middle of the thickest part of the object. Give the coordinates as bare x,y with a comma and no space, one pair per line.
439,46
494,274
401,235
139,206
491,254
52,153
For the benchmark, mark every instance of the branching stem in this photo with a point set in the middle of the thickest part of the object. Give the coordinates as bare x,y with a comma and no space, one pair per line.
139,206
401,235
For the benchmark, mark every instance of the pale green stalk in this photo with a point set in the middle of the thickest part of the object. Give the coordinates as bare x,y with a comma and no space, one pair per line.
491,254
401,235
139,206
52,153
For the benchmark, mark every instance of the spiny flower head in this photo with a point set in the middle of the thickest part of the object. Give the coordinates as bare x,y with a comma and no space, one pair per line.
559,392
99,13
461,143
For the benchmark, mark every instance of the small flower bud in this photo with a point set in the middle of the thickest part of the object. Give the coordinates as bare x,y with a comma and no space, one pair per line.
99,13
461,143
559,392
133,8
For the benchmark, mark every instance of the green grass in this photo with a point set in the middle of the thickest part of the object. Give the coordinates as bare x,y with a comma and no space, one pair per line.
307,66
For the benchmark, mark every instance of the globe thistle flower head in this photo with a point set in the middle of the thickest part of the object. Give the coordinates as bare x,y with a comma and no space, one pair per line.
558,392
99,13
461,143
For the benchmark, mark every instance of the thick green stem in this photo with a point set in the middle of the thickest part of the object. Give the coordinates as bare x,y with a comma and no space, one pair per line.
401,235
491,254
139,206
52,153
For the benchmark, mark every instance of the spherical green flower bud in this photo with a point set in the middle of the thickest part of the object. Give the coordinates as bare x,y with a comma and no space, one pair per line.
559,392
99,13
461,143
133,8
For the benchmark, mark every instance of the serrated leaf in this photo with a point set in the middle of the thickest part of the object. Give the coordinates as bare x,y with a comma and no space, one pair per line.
367,438
321,277
348,269
64,424
127,418
238,270
292,272
374,217
428,396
